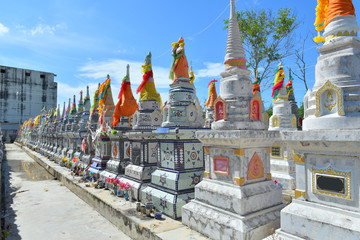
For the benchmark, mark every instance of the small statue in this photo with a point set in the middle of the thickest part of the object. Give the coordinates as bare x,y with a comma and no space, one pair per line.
212,94
127,104
147,87
179,66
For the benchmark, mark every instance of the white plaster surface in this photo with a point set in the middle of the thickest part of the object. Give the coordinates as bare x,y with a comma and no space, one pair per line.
308,220
338,63
240,200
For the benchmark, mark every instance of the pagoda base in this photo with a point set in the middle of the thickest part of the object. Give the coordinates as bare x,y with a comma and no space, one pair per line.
309,220
226,211
170,203
107,174
217,223
86,159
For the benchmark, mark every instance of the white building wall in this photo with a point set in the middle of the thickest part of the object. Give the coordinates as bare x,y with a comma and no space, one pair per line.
23,93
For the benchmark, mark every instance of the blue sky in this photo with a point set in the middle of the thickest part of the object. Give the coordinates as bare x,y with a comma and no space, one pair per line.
82,41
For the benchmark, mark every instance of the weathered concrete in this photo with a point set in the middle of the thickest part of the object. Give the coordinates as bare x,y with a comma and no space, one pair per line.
118,211
37,207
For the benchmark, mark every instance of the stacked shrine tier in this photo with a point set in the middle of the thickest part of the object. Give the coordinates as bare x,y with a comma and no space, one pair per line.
281,160
143,155
182,110
147,117
79,128
59,136
326,152
120,154
101,136
71,131
180,166
237,198
102,154
180,156
88,145
237,193
66,127
55,145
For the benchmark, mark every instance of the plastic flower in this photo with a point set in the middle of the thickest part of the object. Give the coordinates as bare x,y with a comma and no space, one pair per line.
127,186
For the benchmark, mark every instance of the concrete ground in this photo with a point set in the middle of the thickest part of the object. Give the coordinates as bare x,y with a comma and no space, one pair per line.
38,207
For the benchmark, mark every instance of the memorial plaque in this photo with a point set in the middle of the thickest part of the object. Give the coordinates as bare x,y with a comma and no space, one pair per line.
330,183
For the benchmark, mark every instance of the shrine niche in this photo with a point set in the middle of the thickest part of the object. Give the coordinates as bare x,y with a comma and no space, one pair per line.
255,108
275,121
255,168
329,100
221,165
220,109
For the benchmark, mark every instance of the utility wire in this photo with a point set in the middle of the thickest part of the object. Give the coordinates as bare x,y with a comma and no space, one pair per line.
200,32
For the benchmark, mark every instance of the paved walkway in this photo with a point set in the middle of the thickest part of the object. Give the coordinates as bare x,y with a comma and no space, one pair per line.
38,207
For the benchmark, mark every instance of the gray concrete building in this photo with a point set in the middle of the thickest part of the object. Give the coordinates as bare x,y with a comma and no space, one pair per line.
23,93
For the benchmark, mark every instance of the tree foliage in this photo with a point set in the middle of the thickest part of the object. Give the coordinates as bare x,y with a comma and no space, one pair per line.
301,110
266,38
270,110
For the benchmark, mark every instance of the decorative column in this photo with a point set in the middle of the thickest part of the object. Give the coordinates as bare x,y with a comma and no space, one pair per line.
237,198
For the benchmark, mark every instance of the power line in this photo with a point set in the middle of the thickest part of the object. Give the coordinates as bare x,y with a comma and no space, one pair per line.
200,32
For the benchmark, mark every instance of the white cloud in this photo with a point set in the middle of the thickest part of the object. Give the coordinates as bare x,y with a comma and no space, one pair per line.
210,70
117,70
3,29
41,29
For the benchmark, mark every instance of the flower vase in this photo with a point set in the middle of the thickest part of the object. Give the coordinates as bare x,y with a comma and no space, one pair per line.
127,195
115,190
120,193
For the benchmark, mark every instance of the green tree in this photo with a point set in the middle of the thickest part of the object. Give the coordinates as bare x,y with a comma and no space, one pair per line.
301,110
266,38
270,110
